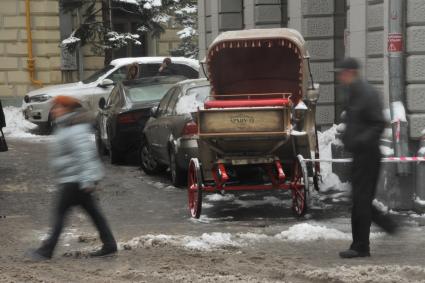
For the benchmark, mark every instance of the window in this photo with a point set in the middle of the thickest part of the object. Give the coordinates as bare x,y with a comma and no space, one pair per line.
173,100
98,74
119,75
114,97
148,92
162,108
192,100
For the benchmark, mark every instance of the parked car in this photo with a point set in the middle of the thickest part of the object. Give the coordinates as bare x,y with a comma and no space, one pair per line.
122,117
170,134
37,104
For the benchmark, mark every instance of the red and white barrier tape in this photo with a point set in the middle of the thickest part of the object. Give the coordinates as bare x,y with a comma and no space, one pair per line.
401,159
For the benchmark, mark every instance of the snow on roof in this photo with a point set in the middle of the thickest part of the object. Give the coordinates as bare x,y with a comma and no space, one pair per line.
258,34
155,60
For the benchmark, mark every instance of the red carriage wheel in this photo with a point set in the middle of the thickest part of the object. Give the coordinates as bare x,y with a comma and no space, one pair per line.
194,188
298,188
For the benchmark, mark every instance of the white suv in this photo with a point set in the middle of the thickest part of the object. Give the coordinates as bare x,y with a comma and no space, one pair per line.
37,103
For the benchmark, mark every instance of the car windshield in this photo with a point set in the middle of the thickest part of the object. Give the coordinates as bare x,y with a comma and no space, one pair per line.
151,92
194,99
98,74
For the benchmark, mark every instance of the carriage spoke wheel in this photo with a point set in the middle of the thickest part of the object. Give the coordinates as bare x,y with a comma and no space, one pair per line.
299,190
194,186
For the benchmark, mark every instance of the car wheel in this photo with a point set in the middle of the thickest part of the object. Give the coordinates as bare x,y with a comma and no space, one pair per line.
115,157
148,162
101,149
177,174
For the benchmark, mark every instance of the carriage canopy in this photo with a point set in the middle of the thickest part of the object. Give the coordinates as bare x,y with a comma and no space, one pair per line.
257,61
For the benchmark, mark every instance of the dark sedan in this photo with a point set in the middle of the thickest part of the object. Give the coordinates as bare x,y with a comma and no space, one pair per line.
170,135
122,117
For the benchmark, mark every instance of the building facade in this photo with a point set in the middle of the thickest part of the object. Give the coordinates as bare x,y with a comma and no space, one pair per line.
334,29
48,26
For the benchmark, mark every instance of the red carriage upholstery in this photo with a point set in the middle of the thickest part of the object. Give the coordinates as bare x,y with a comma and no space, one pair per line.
235,103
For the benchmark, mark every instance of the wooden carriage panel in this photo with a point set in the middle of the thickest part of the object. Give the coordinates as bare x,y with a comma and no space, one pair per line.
246,121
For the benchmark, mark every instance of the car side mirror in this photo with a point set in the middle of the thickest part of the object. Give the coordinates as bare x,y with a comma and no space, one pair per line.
106,83
102,103
153,111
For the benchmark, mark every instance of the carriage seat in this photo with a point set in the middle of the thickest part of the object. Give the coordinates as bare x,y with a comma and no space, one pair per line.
235,103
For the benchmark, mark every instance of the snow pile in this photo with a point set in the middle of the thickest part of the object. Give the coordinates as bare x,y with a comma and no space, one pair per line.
218,240
325,140
211,241
308,232
419,201
16,125
399,112
362,273
380,206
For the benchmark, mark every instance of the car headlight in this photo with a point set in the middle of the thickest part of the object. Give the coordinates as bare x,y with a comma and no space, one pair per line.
40,98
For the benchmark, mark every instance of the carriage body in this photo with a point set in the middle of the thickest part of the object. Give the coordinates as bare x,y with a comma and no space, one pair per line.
259,119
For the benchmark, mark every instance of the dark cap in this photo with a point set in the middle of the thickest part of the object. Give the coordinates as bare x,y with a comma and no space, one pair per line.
347,64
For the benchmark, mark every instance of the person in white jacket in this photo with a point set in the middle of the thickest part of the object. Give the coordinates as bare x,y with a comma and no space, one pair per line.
77,167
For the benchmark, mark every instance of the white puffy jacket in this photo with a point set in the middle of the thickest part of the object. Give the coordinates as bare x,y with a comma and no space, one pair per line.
74,157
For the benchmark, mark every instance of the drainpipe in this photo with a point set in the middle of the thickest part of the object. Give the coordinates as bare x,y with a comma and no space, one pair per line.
30,61
396,82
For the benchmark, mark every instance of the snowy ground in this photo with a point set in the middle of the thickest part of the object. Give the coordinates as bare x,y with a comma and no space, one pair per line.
240,237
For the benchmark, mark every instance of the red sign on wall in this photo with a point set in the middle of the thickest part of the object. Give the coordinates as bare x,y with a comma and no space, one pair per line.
395,42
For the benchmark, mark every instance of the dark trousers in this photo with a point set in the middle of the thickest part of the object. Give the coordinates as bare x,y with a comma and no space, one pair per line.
70,195
365,174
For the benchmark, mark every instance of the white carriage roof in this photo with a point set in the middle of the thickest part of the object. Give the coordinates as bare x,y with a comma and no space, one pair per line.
258,34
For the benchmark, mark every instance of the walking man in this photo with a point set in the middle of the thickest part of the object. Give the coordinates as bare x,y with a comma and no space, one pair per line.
78,169
364,126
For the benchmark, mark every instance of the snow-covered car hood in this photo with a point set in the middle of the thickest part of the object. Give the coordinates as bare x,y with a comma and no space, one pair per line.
62,89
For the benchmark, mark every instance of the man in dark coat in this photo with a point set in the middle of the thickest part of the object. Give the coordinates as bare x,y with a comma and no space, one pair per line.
2,118
364,126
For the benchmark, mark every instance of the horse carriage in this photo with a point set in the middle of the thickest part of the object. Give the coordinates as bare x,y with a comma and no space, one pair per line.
259,120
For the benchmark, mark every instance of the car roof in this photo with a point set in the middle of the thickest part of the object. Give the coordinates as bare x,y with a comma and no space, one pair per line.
155,60
187,84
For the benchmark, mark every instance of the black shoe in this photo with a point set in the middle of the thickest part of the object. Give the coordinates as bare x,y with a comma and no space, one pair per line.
353,253
36,255
104,252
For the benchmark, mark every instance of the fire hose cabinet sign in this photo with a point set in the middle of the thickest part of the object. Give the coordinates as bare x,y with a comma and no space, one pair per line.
395,42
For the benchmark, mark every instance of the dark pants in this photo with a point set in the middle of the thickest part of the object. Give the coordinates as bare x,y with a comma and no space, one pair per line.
365,174
71,195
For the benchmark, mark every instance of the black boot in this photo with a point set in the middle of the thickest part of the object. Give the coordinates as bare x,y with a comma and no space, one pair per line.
353,253
104,251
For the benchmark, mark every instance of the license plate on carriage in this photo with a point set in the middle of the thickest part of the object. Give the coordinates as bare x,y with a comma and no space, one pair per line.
243,121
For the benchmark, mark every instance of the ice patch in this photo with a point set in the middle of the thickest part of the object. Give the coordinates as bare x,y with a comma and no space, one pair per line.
219,197
274,201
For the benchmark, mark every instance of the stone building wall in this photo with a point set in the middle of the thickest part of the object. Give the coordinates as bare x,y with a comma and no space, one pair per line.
14,76
415,66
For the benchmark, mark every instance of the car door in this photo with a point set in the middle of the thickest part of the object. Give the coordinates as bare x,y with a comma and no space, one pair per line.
107,113
165,126
151,128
